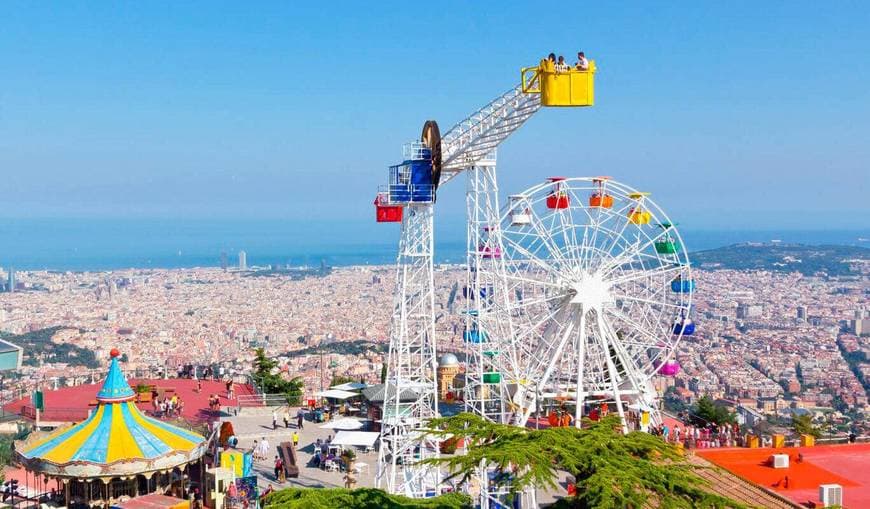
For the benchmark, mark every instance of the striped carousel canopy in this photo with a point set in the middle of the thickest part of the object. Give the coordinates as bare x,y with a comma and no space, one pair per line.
116,432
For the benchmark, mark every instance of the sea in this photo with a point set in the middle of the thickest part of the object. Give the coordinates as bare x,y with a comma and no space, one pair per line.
73,244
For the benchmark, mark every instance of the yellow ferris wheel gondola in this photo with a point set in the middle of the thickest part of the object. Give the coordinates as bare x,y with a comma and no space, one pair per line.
638,214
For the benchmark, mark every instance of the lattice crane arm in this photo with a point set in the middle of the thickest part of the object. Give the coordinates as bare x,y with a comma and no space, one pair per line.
475,137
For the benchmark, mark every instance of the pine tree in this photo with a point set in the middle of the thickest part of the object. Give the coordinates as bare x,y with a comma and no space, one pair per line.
707,412
803,425
612,470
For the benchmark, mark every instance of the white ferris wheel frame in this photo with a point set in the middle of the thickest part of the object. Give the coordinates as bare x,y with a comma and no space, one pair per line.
565,257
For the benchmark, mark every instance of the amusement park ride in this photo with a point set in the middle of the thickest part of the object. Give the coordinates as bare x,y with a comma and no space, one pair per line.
577,290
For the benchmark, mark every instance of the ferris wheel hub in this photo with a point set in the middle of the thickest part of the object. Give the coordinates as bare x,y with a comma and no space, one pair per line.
591,291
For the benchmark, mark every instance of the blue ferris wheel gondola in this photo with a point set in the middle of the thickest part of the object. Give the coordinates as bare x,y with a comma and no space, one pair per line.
684,326
680,285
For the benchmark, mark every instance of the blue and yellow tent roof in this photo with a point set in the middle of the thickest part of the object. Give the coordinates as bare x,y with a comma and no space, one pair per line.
116,431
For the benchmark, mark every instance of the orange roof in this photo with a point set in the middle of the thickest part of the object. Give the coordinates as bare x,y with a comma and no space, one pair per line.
847,465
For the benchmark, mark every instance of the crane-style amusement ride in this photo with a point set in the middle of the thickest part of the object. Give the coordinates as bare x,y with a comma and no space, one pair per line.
567,298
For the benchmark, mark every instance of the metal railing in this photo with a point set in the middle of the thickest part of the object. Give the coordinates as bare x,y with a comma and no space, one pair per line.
56,414
261,400
416,151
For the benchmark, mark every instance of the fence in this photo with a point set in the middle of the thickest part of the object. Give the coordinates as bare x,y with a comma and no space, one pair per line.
56,414
261,400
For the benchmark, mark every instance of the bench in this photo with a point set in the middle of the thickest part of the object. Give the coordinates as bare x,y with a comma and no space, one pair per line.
287,453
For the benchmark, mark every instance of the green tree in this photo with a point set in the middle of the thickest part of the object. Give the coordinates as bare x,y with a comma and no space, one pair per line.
705,411
384,373
362,498
294,389
803,425
263,365
274,383
338,380
612,470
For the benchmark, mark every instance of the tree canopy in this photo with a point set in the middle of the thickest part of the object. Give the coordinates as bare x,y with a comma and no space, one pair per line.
803,425
339,379
612,470
274,383
706,411
362,498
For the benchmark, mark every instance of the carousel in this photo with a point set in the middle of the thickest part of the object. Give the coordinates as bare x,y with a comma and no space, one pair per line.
117,452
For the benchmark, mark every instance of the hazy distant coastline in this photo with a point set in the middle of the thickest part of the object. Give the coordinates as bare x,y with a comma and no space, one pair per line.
88,245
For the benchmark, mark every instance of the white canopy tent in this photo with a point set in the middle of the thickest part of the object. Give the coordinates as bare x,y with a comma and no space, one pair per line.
343,423
359,438
336,394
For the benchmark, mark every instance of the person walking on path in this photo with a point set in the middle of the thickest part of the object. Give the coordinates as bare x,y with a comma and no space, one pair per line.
274,420
300,418
295,438
286,417
264,448
279,465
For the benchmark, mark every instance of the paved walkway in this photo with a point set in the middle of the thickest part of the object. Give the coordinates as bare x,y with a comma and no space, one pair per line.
250,427
256,424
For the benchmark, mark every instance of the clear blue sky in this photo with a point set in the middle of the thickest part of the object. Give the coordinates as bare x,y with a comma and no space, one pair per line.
746,115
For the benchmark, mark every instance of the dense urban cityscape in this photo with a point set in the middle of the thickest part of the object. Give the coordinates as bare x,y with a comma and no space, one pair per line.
768,342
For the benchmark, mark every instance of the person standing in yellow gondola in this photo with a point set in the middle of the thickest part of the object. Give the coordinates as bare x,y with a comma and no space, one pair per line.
582,63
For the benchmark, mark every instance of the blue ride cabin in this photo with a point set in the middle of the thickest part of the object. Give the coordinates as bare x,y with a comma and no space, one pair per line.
412,181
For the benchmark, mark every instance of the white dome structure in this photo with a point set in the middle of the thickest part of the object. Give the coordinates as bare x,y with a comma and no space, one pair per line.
448,360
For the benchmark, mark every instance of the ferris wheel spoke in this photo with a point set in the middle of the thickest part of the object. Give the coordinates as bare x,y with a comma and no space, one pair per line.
599,226
569,229
537,224
567,232
553,350
629,361
523,303
589,222
637,328
618,235
530,331
664,270
631,253
647,301
529,280
529,257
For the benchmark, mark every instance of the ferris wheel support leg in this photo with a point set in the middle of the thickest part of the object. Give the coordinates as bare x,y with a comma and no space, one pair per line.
581,364
411,364
644,397
611,369
484,399
553,362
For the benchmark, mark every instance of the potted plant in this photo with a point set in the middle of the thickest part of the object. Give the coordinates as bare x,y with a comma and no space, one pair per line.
348,456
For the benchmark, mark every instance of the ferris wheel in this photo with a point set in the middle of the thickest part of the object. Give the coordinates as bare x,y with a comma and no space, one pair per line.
594,294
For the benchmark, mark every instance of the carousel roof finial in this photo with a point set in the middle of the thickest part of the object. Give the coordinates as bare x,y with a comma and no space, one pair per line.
115,388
